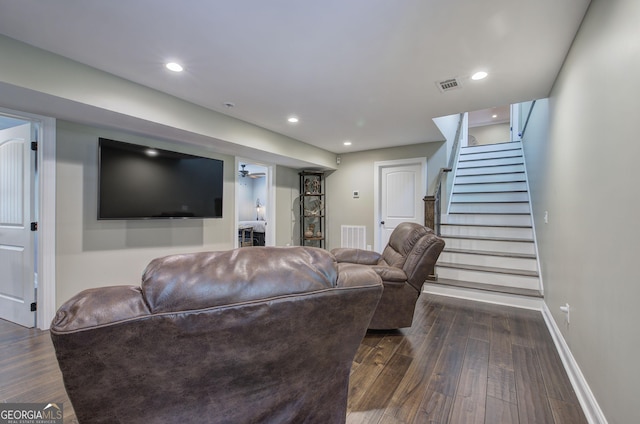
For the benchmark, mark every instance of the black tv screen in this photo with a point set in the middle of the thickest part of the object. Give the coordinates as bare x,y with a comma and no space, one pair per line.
140,182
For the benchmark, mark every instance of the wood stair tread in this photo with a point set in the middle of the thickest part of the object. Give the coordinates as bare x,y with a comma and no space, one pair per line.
485,225
458,202
517,240
468,183
492,253
490,192
488,165
515,155
492,269
487,287
489,213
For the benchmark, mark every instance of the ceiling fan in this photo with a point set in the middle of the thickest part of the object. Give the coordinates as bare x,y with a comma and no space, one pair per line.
245,173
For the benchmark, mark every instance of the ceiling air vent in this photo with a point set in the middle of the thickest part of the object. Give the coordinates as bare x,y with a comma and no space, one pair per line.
448,85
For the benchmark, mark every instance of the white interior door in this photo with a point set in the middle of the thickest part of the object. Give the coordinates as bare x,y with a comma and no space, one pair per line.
401,188
17,281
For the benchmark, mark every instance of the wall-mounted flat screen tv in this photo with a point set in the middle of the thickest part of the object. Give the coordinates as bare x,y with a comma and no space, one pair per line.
140,182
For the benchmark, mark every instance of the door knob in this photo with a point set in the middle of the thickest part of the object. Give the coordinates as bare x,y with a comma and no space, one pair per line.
381,222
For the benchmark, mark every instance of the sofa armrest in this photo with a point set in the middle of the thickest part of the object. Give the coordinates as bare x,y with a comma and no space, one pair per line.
354,275
99,306
390,274
356,256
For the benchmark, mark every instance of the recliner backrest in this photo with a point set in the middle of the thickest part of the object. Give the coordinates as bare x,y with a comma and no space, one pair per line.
260,334
414,248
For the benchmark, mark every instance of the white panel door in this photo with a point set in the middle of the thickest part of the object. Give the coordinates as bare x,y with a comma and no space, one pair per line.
402,188
17,283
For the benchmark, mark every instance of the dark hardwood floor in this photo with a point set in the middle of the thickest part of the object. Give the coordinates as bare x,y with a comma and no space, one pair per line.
461,362
29,371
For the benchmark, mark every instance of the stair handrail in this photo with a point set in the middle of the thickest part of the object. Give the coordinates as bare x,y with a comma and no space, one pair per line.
432,203
526,122
456,143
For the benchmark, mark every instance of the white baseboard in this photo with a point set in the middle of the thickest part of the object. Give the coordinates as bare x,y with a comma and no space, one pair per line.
587,401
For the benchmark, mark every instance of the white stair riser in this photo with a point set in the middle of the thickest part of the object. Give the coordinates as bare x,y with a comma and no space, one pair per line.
523,264
491,178
490,245
489,162
478,231
479,219
490,187
506,280
508,169
491,155
490,200
489,208
516,196
491,147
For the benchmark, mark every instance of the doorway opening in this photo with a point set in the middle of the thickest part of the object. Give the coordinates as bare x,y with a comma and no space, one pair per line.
255,203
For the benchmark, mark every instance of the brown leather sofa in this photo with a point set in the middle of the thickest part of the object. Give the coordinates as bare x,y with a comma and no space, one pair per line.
404,265
261,335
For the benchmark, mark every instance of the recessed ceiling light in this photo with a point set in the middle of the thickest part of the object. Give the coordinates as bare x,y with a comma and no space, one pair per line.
494,116
175,67
293,119
347,143
151,152
479,75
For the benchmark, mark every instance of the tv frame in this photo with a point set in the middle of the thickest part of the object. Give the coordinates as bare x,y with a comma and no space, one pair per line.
160,153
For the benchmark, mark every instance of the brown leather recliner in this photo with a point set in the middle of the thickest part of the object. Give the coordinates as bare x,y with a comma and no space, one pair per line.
261,335
404,265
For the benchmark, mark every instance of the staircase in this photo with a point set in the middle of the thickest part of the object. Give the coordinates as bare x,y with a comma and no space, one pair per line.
488,230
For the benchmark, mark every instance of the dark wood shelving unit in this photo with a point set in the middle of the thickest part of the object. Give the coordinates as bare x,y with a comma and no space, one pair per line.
312,209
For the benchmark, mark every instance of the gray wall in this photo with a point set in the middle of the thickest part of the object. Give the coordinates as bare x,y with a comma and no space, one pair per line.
355,172
92,253
491,134
287,209
582,151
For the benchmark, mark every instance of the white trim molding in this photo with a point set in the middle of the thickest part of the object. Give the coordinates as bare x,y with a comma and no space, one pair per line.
585,396
46,295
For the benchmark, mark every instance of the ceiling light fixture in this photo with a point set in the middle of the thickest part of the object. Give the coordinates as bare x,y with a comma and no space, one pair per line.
347,143
494,116
479,75
293,119
151,152
175,67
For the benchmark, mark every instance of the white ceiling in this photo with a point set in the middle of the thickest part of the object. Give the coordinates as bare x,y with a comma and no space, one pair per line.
358,70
